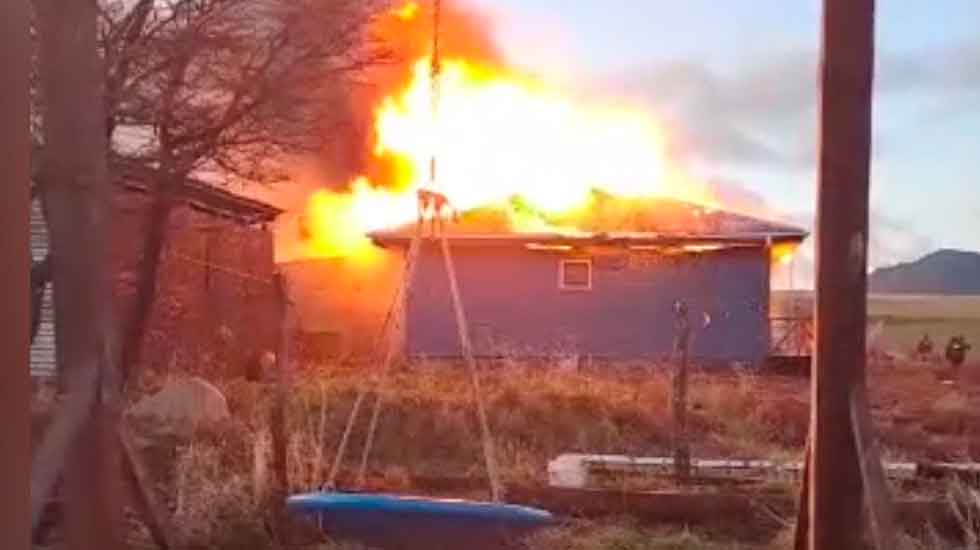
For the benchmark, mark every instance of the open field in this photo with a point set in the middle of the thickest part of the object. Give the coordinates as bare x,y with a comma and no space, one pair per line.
903,318
428,439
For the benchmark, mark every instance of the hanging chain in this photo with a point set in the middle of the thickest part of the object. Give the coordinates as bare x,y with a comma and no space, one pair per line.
435,75
496,489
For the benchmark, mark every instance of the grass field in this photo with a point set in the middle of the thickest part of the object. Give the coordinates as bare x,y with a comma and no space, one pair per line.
903,318
428,431
216,482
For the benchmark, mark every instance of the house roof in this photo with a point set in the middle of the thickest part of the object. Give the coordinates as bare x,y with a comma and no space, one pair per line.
613,221
217,201
200,195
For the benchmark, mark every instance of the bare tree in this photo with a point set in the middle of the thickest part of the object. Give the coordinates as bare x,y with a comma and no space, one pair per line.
75,199
223,88
231,89
204,87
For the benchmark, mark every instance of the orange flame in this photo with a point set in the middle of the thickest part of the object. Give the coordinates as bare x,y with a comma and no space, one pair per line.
498,135
407,12
783,253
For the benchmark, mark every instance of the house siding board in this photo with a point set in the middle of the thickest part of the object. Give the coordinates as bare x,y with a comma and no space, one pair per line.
39,232
514,305
42,350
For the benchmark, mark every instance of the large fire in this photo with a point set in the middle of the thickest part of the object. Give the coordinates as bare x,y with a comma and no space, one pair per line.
498,135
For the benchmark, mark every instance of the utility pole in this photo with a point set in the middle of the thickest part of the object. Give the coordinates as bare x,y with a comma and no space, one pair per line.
15,382
835,487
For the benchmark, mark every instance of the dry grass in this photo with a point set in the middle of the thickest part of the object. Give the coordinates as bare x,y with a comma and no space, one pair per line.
428,424
919,417
428,430
966,506
216,506
623,535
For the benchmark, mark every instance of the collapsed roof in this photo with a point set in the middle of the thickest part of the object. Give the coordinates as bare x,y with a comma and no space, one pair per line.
609,221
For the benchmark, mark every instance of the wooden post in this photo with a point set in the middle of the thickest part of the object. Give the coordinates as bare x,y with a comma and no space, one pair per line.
278,424
75,195
15,383
802,528
682,449
835,488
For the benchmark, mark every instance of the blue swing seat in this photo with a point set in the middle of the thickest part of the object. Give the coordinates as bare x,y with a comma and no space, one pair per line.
397,522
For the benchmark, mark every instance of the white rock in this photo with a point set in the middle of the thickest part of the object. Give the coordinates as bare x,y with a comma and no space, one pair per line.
183,405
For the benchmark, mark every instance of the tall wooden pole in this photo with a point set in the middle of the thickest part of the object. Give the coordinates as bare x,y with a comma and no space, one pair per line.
15,381
283,383
278,423
76,202
835,490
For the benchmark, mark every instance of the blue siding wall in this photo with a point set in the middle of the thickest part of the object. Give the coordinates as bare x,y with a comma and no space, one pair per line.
514,305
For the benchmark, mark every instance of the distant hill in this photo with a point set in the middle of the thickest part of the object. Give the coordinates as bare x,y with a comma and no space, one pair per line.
953,272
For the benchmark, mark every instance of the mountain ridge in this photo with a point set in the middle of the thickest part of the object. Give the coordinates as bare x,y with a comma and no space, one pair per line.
945,271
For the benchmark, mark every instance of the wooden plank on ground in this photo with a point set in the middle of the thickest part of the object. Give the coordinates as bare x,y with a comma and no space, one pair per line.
877,495
659,507
706,509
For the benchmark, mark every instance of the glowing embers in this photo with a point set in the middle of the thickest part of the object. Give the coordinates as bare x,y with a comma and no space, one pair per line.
708,247
688,248
549,247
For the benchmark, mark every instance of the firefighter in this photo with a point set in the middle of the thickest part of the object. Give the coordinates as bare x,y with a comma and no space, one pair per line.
956,350
924,348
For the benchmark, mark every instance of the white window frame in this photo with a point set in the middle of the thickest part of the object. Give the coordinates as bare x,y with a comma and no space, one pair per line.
561,274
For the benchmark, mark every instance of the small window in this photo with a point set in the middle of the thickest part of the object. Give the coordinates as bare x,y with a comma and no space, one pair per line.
575,275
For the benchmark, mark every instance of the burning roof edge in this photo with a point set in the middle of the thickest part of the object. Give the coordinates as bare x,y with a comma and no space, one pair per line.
784,235
653,222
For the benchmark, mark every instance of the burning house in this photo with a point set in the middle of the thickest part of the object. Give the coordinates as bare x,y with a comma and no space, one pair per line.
579,228
605,291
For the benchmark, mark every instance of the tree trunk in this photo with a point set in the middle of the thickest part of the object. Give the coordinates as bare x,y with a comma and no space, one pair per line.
154,242
15,383
165,188
75,202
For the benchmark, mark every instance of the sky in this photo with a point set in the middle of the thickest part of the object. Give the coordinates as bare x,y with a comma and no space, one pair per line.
736,83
